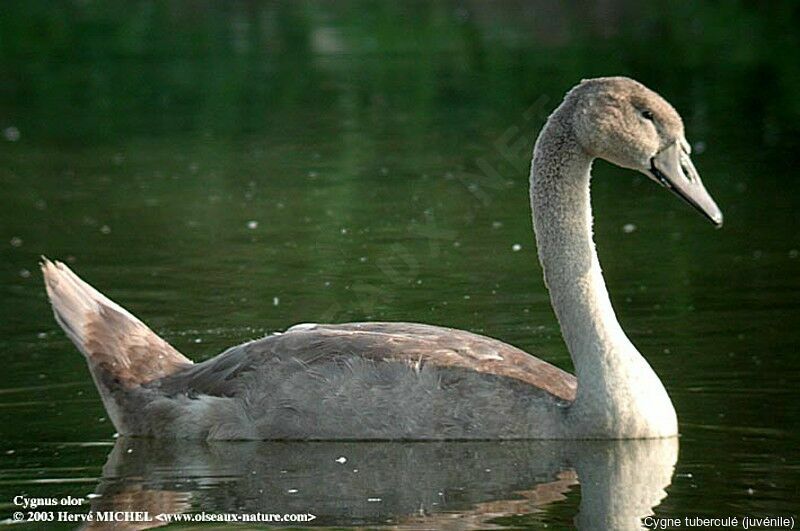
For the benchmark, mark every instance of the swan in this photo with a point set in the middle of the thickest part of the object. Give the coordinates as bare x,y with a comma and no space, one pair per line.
383,380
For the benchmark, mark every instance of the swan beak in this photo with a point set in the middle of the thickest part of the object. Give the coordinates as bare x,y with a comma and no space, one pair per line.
673,169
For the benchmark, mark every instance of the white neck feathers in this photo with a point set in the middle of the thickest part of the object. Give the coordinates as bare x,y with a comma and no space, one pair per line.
619,395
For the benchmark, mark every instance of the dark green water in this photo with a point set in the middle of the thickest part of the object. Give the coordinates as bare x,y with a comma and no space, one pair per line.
225,170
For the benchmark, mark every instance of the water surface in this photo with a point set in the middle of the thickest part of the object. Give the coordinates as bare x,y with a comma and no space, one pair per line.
227,170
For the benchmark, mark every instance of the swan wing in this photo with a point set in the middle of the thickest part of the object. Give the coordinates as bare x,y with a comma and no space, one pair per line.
412,343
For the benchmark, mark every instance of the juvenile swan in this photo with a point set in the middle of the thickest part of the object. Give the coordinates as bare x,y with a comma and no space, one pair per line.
416,381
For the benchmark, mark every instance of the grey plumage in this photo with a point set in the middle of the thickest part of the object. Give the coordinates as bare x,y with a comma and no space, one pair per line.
348,381
351,381
414,381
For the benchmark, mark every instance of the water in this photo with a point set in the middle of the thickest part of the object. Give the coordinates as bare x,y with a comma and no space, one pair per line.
227,170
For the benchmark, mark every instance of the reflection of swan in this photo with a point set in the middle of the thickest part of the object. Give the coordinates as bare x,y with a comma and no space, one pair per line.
413,485
413,381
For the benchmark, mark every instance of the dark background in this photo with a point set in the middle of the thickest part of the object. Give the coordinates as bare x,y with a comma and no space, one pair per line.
227,169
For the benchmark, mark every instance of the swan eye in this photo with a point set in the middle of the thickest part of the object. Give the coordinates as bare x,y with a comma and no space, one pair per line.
647,115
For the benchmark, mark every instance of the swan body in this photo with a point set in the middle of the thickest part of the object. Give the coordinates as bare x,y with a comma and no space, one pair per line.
417,381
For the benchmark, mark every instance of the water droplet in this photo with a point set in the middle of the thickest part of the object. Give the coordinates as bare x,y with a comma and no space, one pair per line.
372,500
11,134
16,242
516,247
24,273
105,229
628,228
276,301
252,224
341,460
292,491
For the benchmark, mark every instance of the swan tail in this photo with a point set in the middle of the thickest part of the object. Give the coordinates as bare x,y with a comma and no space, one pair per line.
122,352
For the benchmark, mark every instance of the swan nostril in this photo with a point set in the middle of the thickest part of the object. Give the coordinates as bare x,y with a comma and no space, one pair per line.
687,172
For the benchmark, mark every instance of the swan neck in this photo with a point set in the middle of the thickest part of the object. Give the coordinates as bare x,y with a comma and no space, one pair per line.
562,219
619,395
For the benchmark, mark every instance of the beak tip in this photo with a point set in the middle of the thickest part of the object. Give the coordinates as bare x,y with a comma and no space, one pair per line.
672,168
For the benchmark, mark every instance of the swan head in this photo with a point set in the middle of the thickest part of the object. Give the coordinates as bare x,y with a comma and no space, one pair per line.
622,121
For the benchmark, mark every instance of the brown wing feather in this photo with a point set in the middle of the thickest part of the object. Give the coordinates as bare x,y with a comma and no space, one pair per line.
129,350
447,347
113,341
